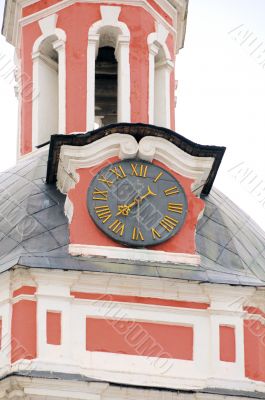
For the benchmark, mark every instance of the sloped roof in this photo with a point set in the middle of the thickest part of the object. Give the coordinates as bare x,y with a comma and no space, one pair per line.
34,233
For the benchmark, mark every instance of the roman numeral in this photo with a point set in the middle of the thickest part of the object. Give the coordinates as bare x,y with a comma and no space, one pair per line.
108,182
175,207
137,234
171,191
117,227
155,234
104,213
158,177
100,194
142,171
119,172
168,223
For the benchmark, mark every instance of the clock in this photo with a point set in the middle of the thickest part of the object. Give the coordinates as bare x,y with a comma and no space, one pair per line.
137,203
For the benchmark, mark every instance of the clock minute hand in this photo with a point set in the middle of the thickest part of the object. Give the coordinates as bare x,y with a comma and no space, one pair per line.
126,208
149,193
137,200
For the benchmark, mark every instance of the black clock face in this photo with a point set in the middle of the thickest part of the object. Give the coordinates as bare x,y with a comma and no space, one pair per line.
137,203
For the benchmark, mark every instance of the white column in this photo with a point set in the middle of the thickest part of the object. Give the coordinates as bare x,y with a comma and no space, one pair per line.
153,51
59,46
122,54
163,93
92,50
35,99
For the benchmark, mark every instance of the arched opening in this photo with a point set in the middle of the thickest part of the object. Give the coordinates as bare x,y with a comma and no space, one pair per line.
108,70
106,87
46,93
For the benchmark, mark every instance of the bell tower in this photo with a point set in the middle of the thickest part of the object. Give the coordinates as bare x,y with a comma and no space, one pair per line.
123,275
82,65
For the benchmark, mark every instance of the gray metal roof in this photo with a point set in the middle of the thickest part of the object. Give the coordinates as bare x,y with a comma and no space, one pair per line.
34,233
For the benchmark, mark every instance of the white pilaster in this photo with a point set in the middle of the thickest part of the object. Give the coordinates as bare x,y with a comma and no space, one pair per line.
153,51
92,51
122,56
59,46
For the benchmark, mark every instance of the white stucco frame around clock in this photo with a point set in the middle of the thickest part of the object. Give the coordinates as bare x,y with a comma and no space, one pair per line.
124,146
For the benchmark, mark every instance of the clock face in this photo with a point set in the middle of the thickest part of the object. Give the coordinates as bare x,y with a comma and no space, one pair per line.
137,203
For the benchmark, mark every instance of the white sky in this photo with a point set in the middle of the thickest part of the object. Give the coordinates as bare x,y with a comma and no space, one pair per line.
221,95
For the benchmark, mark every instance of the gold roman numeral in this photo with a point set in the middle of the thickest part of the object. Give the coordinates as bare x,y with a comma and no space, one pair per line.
142,171
119,172
175,207
158,177
108,182
168,223
171,191
104,213
137,234
117,227
155,234
100,194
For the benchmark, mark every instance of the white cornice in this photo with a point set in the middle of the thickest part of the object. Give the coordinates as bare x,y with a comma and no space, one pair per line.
13,21
124,146
152,256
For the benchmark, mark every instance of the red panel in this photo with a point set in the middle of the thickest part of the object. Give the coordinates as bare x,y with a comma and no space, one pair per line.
254,310
140,300
139,338
76,21
30,290
140,24
254,340
53,327
40,5
227,343
24,331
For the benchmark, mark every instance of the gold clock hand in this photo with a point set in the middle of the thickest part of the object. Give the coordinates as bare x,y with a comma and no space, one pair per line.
149,193
126,208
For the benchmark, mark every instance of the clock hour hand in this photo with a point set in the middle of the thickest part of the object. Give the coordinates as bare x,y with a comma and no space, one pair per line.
126,208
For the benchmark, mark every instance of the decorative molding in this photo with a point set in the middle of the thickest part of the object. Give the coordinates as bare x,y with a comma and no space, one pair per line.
68,209
13,21
71,357
48,31
48,24
134,254
125,146
29,387
197,168
72,158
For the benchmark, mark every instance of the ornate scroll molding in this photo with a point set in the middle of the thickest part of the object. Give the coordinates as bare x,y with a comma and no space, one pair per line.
125,146
72,158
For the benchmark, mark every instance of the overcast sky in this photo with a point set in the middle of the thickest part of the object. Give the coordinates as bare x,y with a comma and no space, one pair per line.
220,96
